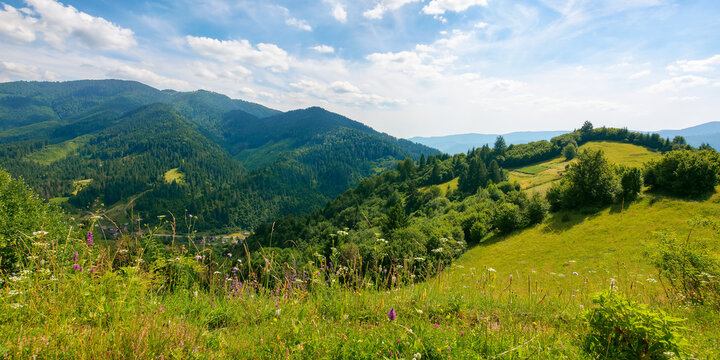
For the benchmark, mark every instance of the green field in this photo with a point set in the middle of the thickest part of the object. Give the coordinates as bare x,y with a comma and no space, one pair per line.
451,185
539,177
56,152
174,175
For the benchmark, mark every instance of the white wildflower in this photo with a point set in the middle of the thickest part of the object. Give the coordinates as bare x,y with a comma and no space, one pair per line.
16,306
491,270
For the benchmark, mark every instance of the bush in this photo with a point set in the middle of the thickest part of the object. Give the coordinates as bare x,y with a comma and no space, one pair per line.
536,211
684,173
508,217
631,182
22,212
689,266
570,151
622,329
590,182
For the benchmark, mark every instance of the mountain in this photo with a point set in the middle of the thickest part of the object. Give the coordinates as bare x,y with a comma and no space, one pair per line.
453,144
708,133
127,147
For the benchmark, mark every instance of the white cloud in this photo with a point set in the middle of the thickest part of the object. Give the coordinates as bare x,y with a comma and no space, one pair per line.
439,7
324,49
225,71
16,26
640,74
263,55
384,6
300,24
148,77
481,25
679,83
25,71
704,65
344,92
59,23
338,10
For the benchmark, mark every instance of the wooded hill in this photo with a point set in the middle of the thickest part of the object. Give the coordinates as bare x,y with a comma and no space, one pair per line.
96,144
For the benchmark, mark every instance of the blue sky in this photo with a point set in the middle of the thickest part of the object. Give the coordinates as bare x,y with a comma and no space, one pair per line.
406,67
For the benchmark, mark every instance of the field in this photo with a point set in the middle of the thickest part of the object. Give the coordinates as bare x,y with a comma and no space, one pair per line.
174,175
539,177
56,152
444,187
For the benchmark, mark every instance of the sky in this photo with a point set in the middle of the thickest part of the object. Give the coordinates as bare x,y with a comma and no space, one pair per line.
405,67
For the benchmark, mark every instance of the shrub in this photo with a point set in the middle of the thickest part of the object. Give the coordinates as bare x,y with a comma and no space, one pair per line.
589,182
536,210
684,173
622,329
508,217
631,182
22,212
570,151
689,266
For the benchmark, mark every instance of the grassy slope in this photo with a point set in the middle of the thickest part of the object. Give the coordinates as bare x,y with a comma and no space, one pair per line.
538,178
56,152
511,297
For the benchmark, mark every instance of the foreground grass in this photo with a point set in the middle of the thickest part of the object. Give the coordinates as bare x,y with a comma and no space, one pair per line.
515,297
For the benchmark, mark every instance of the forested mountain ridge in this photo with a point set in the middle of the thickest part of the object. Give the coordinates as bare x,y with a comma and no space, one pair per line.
233,164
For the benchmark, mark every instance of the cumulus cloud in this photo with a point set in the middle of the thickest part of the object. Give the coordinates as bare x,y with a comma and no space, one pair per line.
384,6
25,71
324,49
338,10
696,66
263,55
148,77
300,24
640,74
16,25
343,92
439,7
679,83
58,23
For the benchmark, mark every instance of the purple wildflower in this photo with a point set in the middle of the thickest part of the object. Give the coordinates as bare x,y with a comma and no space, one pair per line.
391,314
90,241
77,267
75,256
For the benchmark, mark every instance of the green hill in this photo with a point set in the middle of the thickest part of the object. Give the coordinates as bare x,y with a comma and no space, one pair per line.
127,136
538,178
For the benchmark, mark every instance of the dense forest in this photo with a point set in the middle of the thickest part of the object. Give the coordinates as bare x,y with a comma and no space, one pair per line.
97,145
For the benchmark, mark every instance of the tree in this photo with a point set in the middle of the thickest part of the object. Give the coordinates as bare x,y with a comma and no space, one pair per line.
495,174
684,173
422,161
395,219
508,217
570,151
679,140
589,182
500,146
631,182
587,127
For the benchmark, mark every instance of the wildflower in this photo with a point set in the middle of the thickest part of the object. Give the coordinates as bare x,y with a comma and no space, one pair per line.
391,314
462,332
92,271
16,306
90,241
491,269
417,356
14,292
39,233
198,257
123,251
438,250
75,256
437,326
651,280
229,254
575,273
77,267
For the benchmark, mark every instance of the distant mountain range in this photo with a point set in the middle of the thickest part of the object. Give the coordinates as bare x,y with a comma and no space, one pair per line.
708,133
121,145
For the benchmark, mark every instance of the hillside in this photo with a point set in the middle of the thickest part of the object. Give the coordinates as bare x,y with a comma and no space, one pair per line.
708,133
453,144
537,178
240,163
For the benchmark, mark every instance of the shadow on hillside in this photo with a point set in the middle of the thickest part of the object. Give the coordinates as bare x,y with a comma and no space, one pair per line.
658,194
565,220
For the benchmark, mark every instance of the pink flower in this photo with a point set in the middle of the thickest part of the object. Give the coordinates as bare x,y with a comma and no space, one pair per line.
77,267
391,314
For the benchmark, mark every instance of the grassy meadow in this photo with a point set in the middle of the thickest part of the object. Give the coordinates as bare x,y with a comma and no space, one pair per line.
523,295
538,178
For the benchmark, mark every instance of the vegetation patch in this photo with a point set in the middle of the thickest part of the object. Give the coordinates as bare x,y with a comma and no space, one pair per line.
57,152
174,175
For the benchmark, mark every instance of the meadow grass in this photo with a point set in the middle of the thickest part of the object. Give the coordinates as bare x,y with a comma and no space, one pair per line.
519,296
538,178
174,175
57,152
451,185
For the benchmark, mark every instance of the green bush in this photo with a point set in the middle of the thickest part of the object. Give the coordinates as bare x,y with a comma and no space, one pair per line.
631,182
689,266
622,329
684,173
508,217
536,210
591,182
25,221
570,151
